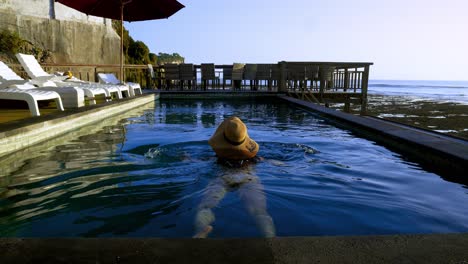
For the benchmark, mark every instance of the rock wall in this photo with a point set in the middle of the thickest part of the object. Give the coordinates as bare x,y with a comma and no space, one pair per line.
47,9
75,38
39,8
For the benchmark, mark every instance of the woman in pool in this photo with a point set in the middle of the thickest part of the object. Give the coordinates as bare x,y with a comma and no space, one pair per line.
236,151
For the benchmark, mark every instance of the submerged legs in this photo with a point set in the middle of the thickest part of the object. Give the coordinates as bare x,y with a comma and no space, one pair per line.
255,202
214,193
250,192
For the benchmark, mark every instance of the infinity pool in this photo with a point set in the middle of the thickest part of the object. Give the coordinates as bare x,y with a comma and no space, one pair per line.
146,175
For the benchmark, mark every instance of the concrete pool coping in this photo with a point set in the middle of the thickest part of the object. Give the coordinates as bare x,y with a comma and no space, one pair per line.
435,248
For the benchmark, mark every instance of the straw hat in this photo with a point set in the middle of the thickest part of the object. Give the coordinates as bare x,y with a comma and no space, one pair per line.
231,141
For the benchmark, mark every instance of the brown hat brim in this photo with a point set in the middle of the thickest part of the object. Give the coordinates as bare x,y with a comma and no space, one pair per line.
224,149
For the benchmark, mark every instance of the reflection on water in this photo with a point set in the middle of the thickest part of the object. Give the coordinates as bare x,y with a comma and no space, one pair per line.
38,180
144,174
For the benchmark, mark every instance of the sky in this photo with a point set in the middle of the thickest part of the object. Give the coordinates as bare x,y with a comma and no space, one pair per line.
405,39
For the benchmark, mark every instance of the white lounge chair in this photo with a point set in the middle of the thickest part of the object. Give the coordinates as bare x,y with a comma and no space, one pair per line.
38,75
110,78
31,97
72,97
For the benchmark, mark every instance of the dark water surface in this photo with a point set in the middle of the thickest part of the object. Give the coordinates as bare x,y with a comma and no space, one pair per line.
145,176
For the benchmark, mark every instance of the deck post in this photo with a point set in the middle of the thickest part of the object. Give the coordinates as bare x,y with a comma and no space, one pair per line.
95,74
322,81
346,80
365,83
282,77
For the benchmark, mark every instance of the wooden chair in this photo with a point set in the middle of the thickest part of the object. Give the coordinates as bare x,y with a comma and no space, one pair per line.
312,75
296,76
227,75
187,75
250,73
208,74
326,77
275,75
171,75
263,74
237,75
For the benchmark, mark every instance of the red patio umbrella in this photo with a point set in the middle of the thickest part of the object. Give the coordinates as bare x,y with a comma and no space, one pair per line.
125,10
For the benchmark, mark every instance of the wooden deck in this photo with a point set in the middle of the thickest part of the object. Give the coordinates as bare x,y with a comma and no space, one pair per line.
9,115
12,110
16,110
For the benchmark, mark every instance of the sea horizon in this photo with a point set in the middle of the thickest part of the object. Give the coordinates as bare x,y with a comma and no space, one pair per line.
428,80
448,83
438,91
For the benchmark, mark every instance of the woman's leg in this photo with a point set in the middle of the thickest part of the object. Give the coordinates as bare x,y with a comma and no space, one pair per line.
254,199
214,193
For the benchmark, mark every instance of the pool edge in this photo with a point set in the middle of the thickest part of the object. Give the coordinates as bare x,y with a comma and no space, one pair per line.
424,248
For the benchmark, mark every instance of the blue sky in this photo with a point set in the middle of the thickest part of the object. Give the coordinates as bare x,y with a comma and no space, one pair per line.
405,39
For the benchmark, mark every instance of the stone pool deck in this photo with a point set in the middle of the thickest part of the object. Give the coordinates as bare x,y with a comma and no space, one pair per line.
440,153
445,248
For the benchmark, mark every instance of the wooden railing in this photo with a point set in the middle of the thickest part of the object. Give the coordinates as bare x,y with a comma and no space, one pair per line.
348,79
327,82
330,76
88,72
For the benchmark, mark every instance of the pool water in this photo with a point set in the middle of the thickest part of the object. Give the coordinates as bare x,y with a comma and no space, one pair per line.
147,175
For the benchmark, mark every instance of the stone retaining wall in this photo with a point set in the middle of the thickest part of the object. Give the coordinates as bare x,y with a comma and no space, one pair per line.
70,36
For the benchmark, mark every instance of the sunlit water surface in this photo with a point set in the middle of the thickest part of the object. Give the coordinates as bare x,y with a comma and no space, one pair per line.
145,176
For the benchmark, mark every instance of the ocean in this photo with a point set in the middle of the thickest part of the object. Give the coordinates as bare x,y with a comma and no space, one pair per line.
438,91
440,106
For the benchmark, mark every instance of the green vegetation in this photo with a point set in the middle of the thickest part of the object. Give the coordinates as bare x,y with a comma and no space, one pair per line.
11,43
153,58
164,58
136,52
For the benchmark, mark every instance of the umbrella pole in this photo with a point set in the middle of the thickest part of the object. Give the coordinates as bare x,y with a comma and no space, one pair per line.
122,79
